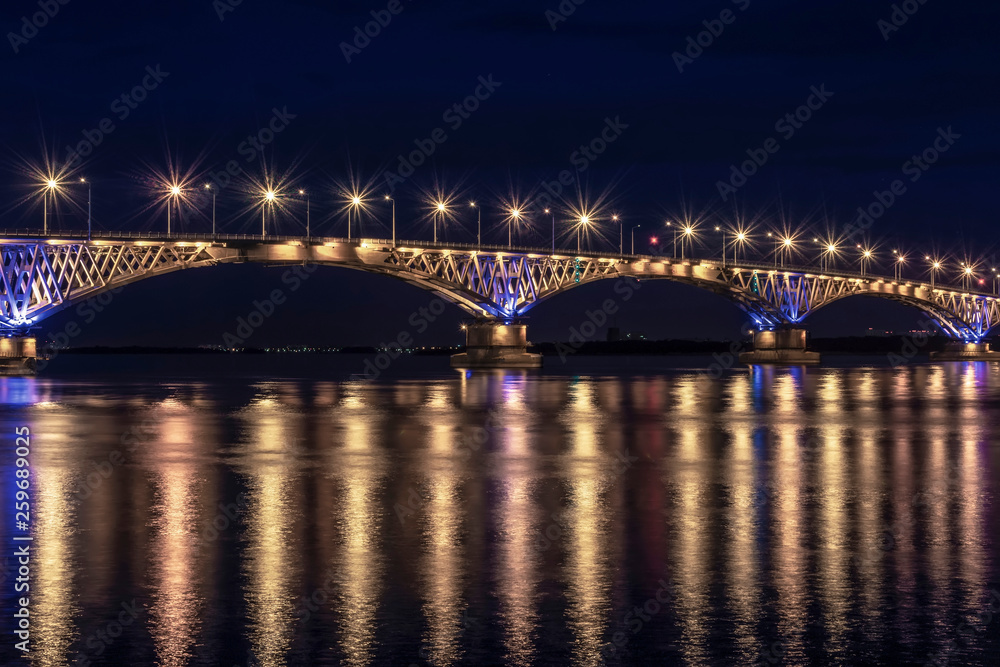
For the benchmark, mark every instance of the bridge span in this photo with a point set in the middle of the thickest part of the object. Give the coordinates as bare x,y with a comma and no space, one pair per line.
497,285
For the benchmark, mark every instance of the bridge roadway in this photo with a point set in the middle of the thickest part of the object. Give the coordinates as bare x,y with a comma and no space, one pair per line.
495,284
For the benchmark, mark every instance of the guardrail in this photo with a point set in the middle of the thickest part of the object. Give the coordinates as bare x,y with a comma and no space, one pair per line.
72,235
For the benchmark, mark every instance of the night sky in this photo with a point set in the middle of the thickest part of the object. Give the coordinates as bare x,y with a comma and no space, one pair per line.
676,116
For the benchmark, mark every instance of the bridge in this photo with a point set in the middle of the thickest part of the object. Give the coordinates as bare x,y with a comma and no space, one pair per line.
497,285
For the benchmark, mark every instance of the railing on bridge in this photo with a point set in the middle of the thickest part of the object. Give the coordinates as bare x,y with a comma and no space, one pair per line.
532,250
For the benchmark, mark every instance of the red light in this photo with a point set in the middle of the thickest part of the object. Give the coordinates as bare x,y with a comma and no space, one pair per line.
981,281
654,240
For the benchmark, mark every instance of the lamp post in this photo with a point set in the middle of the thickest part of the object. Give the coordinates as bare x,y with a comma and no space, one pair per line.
897,267
633,237
441,208
967,276
356,202
514,215
741,238
786,249
305,194
50,189
479,225
388,198
669,224
553,231
175,192
866,257
584,220
688,231
621,236
270,197
208,186
935,266
720,229
83,180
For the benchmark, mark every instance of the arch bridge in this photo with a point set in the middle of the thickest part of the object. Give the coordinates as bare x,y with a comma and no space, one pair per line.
42,275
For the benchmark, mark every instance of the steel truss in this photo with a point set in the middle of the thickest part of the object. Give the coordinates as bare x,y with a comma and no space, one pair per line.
41,276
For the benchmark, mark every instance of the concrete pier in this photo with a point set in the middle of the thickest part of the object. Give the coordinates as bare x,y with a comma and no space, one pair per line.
780,346
493,344
966,352
17,356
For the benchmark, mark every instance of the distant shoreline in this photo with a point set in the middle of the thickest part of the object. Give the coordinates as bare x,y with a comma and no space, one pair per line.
854,345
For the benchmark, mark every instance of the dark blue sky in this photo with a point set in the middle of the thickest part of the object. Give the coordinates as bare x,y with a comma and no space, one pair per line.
557,89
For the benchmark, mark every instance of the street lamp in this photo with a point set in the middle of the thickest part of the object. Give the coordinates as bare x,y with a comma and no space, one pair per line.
553,230
388,198
441,208
83,180
50,187
720,229
688,231
935,267
967,276
621,236
305,194
208,186
669,224
175,192
786,247
633,237
741,240
897,269
584,220
356,202
269,198
514,215
866,258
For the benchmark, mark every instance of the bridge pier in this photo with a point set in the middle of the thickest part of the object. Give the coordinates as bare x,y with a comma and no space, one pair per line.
17,355
959,351
784,345
495,344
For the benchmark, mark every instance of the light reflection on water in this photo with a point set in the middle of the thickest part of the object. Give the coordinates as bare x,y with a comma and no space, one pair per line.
845,515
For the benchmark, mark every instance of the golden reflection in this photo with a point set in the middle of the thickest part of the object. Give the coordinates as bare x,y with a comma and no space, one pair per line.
794,455
177,533
357,462
53,594
690,513
746,495
834,551
443,534
272,559
587,576
518,578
